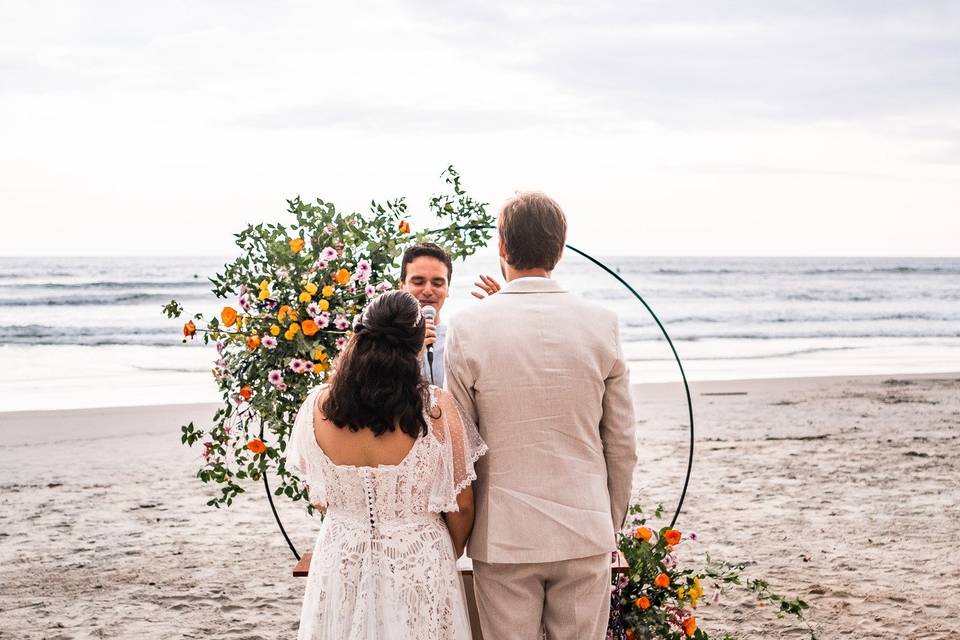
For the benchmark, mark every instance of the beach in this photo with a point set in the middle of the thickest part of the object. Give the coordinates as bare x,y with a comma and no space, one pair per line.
836,490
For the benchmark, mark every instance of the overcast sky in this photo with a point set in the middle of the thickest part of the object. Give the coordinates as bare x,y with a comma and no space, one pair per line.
663,128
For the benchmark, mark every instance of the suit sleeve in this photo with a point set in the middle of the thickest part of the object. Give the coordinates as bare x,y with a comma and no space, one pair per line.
617,431
458,380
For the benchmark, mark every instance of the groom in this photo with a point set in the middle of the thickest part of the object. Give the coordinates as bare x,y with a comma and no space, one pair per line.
543,375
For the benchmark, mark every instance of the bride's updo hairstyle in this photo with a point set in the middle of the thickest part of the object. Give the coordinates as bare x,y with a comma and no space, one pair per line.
377,382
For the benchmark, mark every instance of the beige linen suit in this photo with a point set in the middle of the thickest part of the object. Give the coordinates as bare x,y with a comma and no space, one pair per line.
542,374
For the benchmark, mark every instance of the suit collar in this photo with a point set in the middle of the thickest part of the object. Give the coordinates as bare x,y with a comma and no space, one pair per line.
533,285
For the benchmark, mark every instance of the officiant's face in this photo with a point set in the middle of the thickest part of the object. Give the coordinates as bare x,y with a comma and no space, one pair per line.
428,281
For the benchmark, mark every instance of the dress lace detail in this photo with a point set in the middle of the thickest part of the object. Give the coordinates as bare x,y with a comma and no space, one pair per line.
383,565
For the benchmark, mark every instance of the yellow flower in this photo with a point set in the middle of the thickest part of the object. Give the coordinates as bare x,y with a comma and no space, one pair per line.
319,354
310,288
327,291
292,331
296,245
264,290
320,366
324,305
274,330
305,297
696,592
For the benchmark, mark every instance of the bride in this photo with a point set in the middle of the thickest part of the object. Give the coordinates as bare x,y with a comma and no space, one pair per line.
391,460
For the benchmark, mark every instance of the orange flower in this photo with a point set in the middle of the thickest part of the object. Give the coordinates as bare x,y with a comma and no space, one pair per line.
672,536
253,342
662,581
690,626
643,602
309,327
189,329
643,533
284,311
256,445
229,316
404,226
246,392
296,245
342,276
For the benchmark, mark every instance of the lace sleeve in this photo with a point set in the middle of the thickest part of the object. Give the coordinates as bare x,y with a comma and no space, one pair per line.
298,456
461,448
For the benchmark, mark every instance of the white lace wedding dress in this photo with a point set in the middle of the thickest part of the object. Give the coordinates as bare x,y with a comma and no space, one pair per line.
383,565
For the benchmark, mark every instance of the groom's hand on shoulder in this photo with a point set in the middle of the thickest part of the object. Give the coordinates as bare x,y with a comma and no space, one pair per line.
487,285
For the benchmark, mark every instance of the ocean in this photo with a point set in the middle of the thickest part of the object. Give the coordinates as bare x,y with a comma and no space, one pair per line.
88,332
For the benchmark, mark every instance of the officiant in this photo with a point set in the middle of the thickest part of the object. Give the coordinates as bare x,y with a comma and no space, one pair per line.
425,271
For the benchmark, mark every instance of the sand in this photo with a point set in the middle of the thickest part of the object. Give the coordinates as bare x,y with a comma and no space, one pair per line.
840,490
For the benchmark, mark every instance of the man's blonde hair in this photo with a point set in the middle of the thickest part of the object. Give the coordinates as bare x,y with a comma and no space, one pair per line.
533,231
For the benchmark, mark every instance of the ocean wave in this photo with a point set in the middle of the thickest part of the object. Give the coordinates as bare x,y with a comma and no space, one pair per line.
107,284
831,334
760,319
37,334
74,300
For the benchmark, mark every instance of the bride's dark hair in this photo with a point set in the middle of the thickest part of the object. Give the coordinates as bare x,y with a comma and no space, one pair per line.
377,383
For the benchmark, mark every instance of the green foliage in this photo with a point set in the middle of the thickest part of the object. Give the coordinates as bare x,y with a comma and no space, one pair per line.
657,597
293,294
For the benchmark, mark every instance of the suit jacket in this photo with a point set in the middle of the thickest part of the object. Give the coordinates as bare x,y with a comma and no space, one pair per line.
542,374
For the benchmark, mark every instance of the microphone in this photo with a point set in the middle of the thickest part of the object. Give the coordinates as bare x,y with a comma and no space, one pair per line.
429,313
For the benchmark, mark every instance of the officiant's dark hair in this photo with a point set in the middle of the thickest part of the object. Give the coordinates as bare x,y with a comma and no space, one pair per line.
428,250
377,382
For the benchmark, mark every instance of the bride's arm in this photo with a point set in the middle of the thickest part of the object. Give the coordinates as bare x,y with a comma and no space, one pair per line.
460,523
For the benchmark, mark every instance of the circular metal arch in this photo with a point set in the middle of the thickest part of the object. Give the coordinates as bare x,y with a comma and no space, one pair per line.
676,356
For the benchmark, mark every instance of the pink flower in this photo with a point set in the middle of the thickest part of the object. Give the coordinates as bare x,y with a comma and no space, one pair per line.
269,342
352,290
670,561
313,309
307,366
245,302
320,264
208,452
328,254
692,536
297,365
323,320
341,323
384,286
370,290
341,343
275,377
363,272
716,597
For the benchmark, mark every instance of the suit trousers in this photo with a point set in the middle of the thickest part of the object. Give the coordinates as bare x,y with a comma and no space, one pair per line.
569,598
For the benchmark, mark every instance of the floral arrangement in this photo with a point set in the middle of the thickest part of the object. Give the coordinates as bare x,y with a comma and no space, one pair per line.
294,293
657,598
